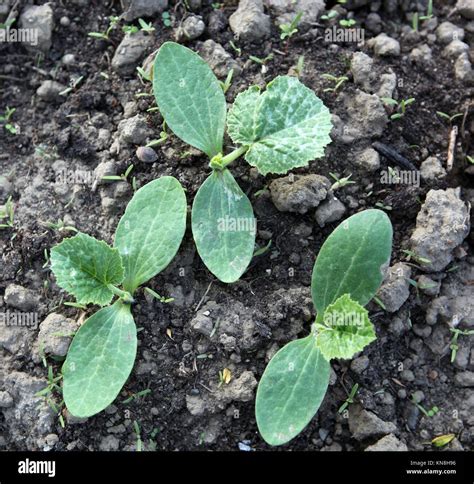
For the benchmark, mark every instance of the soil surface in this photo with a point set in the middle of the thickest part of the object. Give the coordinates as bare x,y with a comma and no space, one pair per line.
402,376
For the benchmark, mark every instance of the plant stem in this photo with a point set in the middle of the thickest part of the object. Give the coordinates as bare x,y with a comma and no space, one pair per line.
220,162
124,295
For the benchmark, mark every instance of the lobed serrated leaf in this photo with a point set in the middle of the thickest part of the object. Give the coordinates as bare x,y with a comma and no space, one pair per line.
84,266
345,329
189,97
353,259
224,226
150,232
291,390
99,360
284,127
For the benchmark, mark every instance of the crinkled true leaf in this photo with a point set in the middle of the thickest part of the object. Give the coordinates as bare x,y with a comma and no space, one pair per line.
151,230
345,329
99,360
84,266
353,259
224,226
284,127
189,97
291,390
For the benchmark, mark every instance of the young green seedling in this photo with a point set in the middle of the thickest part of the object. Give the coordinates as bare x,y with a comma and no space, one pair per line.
277,130
338,82
113,21
400,106
6,120
102,353
288,30
347,273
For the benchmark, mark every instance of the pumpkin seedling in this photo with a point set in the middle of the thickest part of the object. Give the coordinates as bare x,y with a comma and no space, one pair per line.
347,274
276,130
102,353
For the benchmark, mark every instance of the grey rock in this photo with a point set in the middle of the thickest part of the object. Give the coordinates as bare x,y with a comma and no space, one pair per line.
191,28
134,130
364,424
330,210
286,10
441,225
384,45
39,18
249,23
387,444
130,52
219,60
217,22
109,443
21,298
407,375
427,286
432,170
49,91
368,160
55,334
463,69
104,168
373,23
395,289
6,188
68,59
146,154
454,49
299,193
134,9
387,84
421,54
6,400
362,70
447,32
464,379
465,8
202,323
360,364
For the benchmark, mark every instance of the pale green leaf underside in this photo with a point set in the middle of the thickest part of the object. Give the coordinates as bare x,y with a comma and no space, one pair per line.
189,97
83,266
353,259
224,226
291,390
285,127
346,329
99,360
151,230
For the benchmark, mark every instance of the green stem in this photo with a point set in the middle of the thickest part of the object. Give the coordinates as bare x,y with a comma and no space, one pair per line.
124,295
220,162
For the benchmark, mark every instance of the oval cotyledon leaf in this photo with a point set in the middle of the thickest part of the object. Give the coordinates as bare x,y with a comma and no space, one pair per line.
291,390
189,97
150,232
224,226
99,360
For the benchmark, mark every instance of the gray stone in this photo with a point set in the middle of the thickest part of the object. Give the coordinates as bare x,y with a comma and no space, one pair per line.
454,49
6,400
464,379
130,52
362,70
463,69
447,32
219,60
465,8
21,298
427,286
387,84
368,160
330,210
134,130
202,323
39,18
134,9
217,22
407,375
373,23
441,225
360,364
421,54
389,443
364,424
432,170
6,188
55,334
146,154
286,10
299,193
395,289
109,443
49,91
384,45
191,28
249,23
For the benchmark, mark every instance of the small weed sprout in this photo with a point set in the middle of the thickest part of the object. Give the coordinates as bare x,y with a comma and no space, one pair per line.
5,119
399,106
7,214
337,81
288,30
113,21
